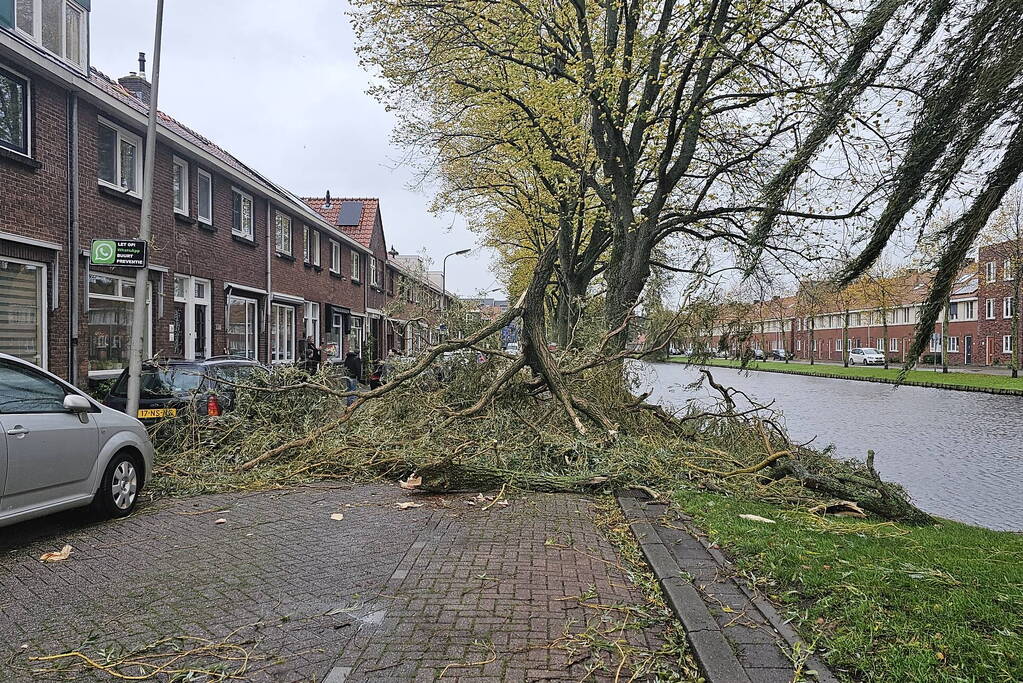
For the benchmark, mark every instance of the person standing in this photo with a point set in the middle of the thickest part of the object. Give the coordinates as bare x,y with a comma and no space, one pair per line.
353,369
313,356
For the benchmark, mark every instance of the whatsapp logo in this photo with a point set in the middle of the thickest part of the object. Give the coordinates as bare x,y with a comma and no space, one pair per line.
104,252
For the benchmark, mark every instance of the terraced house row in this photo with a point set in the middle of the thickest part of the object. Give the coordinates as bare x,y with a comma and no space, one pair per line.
883,315
239,265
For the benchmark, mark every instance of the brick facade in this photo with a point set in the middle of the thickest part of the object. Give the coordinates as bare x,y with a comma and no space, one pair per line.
209,261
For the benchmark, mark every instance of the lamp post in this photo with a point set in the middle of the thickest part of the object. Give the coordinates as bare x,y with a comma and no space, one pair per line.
444,276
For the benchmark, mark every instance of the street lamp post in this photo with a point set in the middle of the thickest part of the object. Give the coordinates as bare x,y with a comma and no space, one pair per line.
444,276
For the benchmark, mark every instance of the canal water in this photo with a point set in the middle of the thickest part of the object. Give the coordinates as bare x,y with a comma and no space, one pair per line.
958,453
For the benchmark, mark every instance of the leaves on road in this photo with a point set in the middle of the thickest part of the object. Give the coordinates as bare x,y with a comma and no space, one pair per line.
337,516
220,521
413,482
407,504
57,556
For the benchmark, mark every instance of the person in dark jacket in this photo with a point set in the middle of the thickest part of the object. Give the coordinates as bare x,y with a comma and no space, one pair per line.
313,356
353,368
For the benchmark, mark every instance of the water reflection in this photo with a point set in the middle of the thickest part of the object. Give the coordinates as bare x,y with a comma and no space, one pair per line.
959,454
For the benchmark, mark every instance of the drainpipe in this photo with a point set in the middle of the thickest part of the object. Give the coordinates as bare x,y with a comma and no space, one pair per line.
269,282
73,249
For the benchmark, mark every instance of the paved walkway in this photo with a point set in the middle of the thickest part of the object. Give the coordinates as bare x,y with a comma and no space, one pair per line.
285,591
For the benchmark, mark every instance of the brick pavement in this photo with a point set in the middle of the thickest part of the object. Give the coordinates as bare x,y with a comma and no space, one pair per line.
384,594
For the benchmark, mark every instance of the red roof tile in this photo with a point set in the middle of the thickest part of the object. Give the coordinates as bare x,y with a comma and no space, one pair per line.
363,232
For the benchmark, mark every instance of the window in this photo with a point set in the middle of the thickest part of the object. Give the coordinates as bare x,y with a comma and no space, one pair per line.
879,345
110,311
14,112
838,345
989,309
312,245
893,344
374,275
23,310
57,25
180,185
905,314
356,265
799,345
28,392
335,257
1007,307
282,333
815,346
971,310
312,321
241,214
953,344
356,336
241,327
206,197
120,158
953,311
989,271
1007,344
935,343
283,239
1007,270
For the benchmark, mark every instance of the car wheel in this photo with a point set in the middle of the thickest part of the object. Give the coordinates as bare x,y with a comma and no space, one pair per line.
119,487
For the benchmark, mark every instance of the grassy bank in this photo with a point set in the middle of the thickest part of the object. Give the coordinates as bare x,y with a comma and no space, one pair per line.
883,602
961,380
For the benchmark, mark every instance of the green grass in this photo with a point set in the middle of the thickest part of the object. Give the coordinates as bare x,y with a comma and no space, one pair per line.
951,379
883,602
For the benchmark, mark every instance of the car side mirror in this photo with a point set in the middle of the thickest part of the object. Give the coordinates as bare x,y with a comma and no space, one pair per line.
73,403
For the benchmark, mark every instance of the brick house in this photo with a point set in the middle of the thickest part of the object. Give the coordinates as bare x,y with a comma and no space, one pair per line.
996,301
238,264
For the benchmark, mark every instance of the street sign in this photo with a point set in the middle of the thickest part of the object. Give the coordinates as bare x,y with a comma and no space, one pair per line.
126,253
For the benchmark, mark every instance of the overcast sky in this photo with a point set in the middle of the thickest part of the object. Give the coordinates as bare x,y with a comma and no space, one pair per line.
281,89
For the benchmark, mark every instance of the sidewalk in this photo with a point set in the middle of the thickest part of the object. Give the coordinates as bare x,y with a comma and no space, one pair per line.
282,591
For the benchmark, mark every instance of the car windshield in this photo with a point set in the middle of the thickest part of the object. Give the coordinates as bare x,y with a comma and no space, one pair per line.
239,374
173,380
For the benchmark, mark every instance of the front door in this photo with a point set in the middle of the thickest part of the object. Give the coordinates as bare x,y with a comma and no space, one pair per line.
50,452
192,314
968,350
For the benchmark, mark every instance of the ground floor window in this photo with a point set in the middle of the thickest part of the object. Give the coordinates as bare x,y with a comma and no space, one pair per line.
111,299
838,345
880,344
282,333
312,321
23,310
242,328
893,344
935,343
335,335
1007,344
356,335
953,344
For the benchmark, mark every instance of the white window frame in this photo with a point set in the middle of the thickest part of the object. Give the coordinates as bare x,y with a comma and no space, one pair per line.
115,372
1007,270
43,311
893,344
243,231
1007,306
124,135
204,214
838,344
179,163
283,227
282,350
335,257
190,300
1007,343
356,266
971,310
28,113
246,302
953,344
989,308
374,272
990,271
311,320
953,310
935,342
311,245
37,30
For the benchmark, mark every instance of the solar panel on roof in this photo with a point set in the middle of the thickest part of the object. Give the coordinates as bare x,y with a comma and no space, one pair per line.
350,213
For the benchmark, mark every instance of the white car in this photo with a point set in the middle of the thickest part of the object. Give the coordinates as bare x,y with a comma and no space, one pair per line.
60,449
866,357
513,347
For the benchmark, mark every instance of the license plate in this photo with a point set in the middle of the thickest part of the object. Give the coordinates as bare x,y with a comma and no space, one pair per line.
157,412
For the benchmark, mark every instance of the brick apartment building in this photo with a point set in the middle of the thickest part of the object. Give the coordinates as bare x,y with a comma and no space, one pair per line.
979,319
238,264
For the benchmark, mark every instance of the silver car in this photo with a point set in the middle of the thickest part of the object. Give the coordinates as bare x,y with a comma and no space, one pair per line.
59,449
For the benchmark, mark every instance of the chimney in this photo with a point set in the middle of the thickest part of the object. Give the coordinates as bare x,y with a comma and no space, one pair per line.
326,204
136,83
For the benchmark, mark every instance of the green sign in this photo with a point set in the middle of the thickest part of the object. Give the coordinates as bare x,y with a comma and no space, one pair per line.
126,253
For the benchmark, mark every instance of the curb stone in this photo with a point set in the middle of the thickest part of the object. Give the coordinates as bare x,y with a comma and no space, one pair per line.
741,639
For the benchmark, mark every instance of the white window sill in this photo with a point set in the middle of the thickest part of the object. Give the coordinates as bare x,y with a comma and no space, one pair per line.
209,223
118,188
182,212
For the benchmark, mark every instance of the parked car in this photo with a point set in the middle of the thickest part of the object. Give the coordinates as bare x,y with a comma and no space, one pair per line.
169,389
866,357
780,354
513,347
64,450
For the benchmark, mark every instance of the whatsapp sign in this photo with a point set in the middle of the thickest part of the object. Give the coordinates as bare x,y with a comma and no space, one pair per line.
126,253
